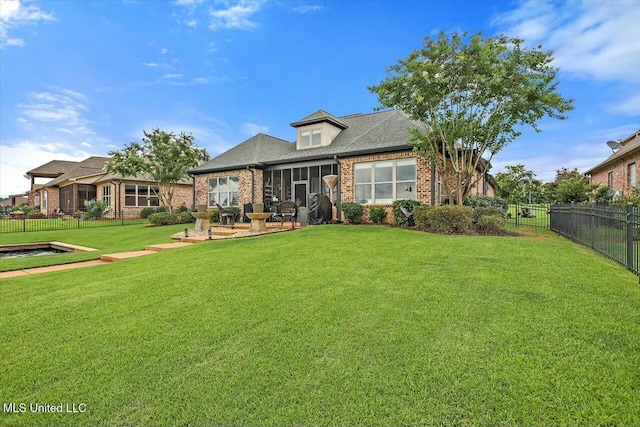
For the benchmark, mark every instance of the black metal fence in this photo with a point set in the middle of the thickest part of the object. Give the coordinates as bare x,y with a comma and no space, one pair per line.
20,224
611,230
528,215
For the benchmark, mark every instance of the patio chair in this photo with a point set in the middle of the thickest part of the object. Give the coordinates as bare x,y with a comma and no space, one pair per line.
225,216
287,211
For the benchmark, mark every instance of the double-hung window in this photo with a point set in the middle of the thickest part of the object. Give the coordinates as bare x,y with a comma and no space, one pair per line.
140,195
310,138
384,182
632,175
106,194
223,191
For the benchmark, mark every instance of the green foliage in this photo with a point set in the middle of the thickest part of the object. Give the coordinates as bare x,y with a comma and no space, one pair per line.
352,212
399,218
35,214
518,185
489,224
603,194
94,209
420,216
377,214
166,218
145,212
164,156
474,94
449,218
22,208
573,190
485,201
489,219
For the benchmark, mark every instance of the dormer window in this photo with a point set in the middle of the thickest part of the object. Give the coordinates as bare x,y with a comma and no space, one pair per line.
311,138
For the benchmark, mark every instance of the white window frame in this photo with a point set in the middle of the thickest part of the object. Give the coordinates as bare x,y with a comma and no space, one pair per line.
150,195
106,194
229,192
394,181
310,138
631,171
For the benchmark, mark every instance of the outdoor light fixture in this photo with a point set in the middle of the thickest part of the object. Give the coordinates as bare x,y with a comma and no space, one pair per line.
209,233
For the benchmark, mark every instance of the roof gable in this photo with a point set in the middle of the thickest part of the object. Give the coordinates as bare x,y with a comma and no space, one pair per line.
319,117
628,145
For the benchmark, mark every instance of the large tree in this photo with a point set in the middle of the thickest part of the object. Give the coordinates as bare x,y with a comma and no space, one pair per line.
163,156
471,95
518,185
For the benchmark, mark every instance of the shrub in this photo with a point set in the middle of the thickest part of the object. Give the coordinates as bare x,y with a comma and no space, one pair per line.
182,208
487,211
398,217
449,218
166,218
22,208
486,201
352,211
420,216
377,214
94,209
145,212
490,223
35,214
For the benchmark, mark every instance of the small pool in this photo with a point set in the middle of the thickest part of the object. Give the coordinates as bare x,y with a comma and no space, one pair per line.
39,249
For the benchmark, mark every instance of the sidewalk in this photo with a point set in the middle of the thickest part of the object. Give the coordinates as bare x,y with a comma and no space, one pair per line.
151,249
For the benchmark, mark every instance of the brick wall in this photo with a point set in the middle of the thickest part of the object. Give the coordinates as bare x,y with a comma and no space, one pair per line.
244,186
53,200
620,175
183,194
347,187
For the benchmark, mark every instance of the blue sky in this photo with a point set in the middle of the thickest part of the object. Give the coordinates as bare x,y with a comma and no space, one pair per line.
81,78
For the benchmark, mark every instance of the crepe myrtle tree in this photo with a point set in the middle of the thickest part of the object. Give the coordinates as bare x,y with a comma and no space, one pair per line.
470,96
163,156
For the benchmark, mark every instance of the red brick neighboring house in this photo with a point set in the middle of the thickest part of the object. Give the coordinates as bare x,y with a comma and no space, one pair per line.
620,170
369,153
74,183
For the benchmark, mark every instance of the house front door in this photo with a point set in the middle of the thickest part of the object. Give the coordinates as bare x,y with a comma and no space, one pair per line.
300,195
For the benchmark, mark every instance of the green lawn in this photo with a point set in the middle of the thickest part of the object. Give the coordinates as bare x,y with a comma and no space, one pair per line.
107,240
538,215
330,325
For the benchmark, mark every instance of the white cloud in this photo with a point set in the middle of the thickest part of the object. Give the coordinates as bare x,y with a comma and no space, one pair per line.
237,16
14,14
18,157
164,51
590,39
192,23
309,8
60,105
251,129
188,2
172,76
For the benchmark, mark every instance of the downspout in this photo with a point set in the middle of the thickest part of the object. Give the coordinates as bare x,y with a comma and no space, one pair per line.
253,183
339,191
193,191
433,184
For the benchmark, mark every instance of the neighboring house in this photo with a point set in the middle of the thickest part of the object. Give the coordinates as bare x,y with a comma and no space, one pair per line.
369,153
13,200
74,183
620,170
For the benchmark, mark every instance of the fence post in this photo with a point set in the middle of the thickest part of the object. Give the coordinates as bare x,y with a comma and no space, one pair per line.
572,224
121,217
517,214
24,223
630,236
593,225
78,222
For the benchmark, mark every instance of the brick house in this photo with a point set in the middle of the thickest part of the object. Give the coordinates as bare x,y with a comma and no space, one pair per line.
368,152
73,183
620,170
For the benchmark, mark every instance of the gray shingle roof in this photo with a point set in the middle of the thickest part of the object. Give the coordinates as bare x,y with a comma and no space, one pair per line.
363,133
317,117
53,169
90,166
